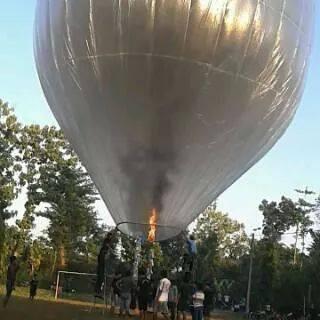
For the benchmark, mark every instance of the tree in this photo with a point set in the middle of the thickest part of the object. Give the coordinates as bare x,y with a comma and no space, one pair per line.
9,166
59,189
24,230
275,275
172,251
230,234
221,243
313,268
277,219
41,161
305,209
69,195
297,215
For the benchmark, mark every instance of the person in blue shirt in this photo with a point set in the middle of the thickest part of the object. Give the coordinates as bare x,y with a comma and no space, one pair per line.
192,246
190,256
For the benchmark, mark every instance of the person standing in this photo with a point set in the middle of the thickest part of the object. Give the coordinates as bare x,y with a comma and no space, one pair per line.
198,299
162,296
144,292
33,287
189,257
11,278
115,293
173,300
185,290
208,303
104,257
192,249
125,286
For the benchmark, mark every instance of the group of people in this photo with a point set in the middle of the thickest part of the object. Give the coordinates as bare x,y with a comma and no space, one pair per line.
184,296
169,296
12,271
172,298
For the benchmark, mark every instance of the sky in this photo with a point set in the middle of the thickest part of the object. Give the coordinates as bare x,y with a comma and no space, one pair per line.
292,163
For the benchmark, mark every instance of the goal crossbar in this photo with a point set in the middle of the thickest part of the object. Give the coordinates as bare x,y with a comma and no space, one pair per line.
69,272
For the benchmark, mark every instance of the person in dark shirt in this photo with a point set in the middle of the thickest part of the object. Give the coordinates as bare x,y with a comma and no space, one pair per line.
33,287
11,278
208,300
313,314
125,286
104,254
186,291
115,290
144,292
173,299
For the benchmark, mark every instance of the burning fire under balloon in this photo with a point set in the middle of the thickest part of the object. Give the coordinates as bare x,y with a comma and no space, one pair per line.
153,226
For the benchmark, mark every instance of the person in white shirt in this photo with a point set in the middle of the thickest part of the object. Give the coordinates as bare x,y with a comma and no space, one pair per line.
161,300
198,299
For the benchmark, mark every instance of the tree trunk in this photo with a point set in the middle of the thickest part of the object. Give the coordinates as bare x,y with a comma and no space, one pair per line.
87,254
2,241
14,251
295,245
54,263
32,268
62,257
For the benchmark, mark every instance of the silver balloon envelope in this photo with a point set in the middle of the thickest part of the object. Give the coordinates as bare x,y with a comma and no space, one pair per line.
168,102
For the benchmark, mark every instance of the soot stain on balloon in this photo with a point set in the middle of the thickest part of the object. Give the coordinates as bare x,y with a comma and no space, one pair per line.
149,167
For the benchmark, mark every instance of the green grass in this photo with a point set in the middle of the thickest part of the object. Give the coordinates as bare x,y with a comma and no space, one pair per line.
23,292
46,308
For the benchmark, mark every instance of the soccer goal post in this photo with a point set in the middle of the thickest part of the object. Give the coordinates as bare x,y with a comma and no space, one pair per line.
63,285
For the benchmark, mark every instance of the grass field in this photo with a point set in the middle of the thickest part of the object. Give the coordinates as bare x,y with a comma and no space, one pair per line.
46,308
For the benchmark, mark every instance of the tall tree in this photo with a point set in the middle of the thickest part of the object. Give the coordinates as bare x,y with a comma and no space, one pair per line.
314,267
221,243
277,219
306,208
9,166
69,195
172,251
230,234
56,181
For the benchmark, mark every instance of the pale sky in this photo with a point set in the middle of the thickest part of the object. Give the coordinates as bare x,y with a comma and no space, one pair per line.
292,163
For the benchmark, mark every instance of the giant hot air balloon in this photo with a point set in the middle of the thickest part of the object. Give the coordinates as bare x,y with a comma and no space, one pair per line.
168,102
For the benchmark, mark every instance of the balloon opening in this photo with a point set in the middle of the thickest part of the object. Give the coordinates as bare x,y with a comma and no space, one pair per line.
151,231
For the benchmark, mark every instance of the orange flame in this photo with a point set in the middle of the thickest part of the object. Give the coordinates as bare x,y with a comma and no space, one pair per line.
153,226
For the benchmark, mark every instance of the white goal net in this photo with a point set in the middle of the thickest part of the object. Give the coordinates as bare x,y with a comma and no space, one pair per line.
75,286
